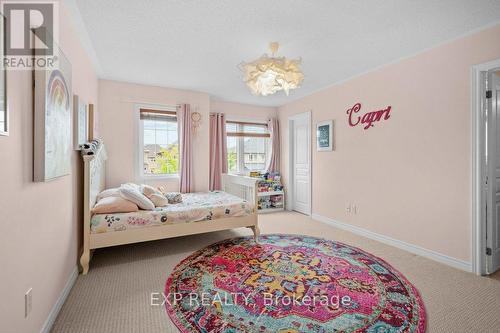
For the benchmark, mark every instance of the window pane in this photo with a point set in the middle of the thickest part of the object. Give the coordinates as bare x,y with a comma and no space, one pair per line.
161,147
231,127
161,125
232,154
254,129
245,154
255,154
149,137
161,138
171,125
167,160
149,124
172,135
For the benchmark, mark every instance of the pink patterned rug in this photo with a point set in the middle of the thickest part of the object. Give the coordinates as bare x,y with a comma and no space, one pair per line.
290,283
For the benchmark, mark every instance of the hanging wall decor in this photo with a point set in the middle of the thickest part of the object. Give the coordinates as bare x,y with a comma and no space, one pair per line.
52,121
195,121
324,135
368,119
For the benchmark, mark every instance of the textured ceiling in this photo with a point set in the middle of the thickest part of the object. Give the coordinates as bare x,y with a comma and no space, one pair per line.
197,45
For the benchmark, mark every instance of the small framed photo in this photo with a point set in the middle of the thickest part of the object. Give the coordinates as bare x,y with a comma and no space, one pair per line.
324,135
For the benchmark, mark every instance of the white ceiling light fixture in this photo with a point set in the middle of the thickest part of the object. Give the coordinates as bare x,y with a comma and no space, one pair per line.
269,74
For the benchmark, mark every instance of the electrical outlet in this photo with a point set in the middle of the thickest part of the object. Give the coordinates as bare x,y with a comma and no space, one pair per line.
28,302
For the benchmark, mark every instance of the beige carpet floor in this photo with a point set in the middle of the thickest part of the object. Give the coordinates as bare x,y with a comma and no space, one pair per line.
115,295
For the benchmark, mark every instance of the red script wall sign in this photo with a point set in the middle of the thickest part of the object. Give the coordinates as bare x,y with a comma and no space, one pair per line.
368,118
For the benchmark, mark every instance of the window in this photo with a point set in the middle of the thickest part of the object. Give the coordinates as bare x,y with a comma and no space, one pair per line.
247,146
159,150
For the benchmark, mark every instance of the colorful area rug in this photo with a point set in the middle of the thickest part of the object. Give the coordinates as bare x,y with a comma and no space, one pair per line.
290,283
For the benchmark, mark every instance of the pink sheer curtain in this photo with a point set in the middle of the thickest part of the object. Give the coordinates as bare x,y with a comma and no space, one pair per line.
274,130
218,150
185,149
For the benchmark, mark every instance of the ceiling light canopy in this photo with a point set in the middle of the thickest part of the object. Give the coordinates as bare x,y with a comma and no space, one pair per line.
269,74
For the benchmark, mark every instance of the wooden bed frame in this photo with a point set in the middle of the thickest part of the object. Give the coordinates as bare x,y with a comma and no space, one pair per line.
94,182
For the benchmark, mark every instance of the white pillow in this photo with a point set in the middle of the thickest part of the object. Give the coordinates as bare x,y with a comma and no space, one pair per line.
135,186
158,199
147,190
110,192
132,193
154,195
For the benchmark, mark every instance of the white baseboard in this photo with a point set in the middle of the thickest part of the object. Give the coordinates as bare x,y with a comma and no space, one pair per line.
442,258
60,301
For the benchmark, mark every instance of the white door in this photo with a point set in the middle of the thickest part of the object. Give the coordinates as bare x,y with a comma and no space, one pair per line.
301,163
493,182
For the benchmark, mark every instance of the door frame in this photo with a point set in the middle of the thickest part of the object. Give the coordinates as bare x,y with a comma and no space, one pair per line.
479,171
291,190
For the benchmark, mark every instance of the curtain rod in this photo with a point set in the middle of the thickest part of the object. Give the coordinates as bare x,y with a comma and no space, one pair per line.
246,123
151,103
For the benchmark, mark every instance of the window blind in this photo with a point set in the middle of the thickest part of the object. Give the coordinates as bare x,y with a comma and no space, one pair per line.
152,114
246,129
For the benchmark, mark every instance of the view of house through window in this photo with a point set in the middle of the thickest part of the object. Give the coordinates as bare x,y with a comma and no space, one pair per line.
160,151
247,146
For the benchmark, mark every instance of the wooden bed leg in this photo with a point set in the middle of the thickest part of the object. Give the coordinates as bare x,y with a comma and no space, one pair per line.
84,261
256,233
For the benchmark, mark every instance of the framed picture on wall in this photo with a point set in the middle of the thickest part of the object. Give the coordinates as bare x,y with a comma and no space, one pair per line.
324,135
52,122
79,123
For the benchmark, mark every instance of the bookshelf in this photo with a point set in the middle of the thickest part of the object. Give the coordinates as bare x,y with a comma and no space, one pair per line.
271,194
276,201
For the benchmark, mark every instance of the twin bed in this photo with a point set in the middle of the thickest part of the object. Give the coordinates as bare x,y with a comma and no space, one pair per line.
231,208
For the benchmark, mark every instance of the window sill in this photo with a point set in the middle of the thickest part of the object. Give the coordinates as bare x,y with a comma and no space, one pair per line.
247,174
159,177
237,173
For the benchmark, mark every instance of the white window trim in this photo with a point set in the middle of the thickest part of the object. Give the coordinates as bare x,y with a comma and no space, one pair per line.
139,155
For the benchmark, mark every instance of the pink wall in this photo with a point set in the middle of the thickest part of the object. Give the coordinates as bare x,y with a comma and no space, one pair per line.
243,111
119,129
40,222
409,176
